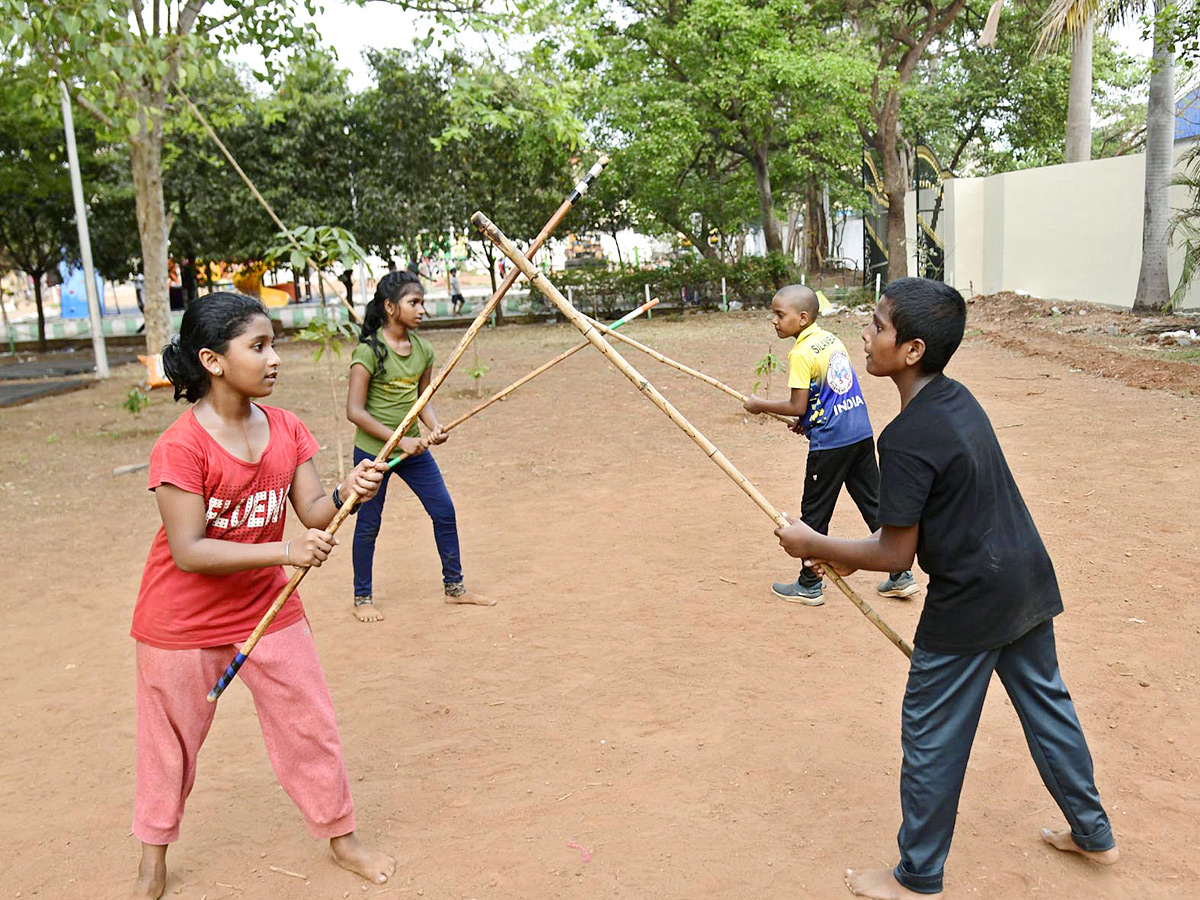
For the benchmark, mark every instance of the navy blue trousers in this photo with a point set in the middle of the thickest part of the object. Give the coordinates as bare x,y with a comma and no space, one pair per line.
424,478
942,704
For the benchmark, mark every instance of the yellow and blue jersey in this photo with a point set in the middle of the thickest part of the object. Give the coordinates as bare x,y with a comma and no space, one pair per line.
836,415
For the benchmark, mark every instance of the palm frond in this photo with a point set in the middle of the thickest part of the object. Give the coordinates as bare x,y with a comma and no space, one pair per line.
1067,18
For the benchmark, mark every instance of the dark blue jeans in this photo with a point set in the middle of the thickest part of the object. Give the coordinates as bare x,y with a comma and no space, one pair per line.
942,704
424,478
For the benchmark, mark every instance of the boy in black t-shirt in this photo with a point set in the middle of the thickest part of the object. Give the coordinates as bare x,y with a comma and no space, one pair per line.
947,496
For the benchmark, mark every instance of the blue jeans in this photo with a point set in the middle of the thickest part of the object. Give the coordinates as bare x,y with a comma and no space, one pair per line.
942,704
424,478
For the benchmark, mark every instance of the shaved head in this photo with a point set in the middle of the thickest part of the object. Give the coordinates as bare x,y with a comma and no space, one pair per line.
801,298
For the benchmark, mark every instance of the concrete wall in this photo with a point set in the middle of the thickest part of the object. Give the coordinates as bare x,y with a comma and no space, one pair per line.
1069,232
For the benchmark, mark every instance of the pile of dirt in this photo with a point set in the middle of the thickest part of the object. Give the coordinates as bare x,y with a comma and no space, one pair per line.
1093,339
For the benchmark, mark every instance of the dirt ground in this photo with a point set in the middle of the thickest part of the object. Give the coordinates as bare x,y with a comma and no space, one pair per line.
637,691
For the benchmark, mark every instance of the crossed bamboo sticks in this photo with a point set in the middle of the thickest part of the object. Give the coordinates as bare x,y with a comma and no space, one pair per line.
590,331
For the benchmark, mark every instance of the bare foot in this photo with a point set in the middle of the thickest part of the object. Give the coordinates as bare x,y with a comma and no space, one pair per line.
353,854
471,599
1063,841
152,873
366,612
881,884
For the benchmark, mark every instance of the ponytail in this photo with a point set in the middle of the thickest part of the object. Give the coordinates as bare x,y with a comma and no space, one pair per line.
212,322
391,288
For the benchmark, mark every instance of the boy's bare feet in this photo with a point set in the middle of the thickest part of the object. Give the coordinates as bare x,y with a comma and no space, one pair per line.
881,884
366,612
353,854
1063,841
152,873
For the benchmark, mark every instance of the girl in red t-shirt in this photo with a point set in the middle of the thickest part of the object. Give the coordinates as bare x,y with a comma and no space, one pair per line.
223,474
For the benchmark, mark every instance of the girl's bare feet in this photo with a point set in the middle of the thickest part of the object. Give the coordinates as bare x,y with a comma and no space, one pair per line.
152,873
881,884
1063,841
353,854
365,611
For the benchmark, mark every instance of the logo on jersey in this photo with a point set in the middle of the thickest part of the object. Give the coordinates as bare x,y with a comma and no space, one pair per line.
839,376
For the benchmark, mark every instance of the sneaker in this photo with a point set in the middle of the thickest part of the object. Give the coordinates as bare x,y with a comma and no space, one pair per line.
458,593
902,586
795,592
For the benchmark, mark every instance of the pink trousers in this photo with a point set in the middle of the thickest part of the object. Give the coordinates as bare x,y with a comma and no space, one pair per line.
295,713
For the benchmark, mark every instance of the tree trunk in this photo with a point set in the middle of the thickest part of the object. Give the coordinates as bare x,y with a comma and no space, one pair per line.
816,233
762,181
37,298
1079,99
895,185
1154,288
491,261
154,229
620,262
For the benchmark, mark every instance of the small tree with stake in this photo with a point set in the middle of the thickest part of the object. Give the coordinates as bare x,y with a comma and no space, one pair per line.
322,247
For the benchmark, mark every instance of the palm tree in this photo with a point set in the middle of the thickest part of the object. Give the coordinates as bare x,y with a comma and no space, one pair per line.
1072,17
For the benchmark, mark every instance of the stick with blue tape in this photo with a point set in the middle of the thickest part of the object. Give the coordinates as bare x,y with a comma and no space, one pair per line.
352,499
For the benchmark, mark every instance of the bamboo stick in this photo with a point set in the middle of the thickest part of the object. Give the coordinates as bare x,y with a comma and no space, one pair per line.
528,377
352,499
687,370
589,330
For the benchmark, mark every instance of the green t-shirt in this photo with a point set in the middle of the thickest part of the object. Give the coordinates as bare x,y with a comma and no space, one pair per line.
393,388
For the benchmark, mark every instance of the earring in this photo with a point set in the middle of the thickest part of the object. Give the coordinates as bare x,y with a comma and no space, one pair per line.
218,373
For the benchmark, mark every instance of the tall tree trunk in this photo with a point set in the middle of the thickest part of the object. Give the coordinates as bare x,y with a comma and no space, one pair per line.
154,229
491,261
894,159
1154,287
1079,98
816,233
37,299
617,243
762,181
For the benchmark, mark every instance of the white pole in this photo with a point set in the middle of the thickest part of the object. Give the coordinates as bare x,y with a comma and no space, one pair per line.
803,277
649,314
85,243
724,296
877,275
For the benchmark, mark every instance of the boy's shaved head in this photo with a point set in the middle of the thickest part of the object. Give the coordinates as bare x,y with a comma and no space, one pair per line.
801,298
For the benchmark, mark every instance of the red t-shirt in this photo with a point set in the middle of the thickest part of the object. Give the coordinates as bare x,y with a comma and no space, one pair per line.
245,502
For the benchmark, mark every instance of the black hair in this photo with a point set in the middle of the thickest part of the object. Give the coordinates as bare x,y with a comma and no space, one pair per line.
391,287
211,321
930,310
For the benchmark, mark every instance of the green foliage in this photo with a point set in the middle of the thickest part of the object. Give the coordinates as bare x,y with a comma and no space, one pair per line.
135,401
764,368
476,372
1185,224
329,332
320,246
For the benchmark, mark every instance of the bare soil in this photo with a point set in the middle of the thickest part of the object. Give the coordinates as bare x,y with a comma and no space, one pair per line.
637,692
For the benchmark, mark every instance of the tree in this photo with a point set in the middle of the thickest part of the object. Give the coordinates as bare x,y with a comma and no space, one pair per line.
37,210
901,32
751,85
1153,289
123,61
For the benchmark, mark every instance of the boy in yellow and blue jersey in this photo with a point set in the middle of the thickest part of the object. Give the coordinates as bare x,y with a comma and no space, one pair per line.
832,414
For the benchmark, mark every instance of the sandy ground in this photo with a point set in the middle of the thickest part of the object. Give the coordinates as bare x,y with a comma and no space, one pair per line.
637,690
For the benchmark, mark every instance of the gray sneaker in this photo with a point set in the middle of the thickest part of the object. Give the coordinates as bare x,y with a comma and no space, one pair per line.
795,592
902,586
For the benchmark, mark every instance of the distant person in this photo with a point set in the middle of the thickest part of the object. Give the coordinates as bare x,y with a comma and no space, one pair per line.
948,497
456,295
832,414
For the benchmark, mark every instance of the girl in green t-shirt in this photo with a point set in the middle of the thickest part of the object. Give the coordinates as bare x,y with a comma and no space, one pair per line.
389,369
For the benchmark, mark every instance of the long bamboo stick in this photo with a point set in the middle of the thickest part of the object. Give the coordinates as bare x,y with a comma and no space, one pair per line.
352,499
589,330
687,370
263,202
529,376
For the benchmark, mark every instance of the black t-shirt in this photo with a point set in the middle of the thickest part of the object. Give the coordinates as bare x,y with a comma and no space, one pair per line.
990,578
